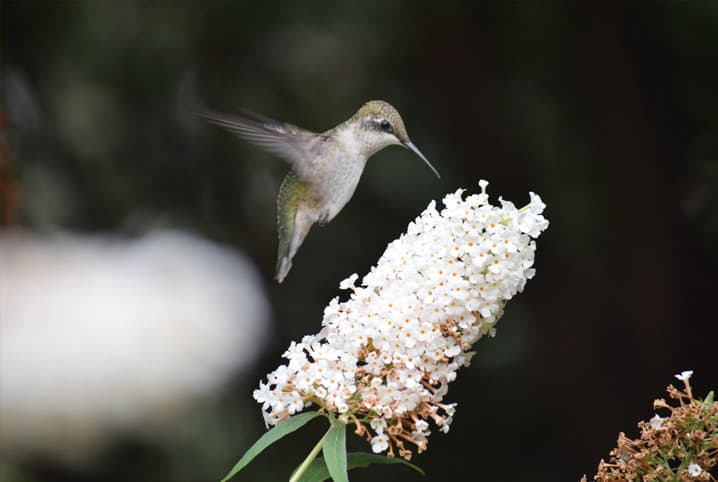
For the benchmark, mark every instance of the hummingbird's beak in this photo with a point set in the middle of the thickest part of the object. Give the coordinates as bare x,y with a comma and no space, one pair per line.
410,145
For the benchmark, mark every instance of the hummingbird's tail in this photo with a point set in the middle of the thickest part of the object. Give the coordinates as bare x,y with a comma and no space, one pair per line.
284,264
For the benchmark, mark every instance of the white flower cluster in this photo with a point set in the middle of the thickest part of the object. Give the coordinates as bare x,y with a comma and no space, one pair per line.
384,357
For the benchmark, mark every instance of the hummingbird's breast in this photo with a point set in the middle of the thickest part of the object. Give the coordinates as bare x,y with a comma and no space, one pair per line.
339,181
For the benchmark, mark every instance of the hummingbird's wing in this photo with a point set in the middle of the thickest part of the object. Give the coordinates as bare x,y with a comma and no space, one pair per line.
295,145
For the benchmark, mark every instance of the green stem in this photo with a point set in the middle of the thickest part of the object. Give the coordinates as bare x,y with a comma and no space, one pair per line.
310,458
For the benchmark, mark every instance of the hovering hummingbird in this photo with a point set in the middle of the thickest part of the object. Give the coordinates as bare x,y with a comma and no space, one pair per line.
326,167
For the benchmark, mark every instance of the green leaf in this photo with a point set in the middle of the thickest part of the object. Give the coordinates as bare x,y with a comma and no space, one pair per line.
318,472
335,451
284,428
363,459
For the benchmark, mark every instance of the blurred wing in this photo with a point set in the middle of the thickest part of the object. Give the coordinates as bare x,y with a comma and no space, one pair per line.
291,143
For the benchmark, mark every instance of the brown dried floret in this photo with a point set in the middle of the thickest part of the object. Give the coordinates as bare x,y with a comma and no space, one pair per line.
680,447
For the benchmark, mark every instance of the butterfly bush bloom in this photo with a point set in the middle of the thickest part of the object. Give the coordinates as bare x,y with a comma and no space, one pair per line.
384,358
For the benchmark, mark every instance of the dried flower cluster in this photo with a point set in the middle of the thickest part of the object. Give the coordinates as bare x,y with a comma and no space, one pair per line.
680,447
384,358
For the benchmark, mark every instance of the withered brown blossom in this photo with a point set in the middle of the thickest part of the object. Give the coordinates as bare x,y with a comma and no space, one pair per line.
680,447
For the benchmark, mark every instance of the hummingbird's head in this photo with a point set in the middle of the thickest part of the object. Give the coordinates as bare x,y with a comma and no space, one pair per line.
382,126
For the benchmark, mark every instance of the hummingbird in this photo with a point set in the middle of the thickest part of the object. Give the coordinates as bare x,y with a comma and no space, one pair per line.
325,167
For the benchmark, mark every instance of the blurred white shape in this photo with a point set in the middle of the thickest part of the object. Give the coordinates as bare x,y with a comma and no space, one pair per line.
100,335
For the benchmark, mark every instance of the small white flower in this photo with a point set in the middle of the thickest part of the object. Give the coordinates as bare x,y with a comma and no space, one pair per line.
656,422
694,470
421,426
349,282
379,443
378,425
684,376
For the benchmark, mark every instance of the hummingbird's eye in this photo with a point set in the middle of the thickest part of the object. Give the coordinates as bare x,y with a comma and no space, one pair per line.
386,126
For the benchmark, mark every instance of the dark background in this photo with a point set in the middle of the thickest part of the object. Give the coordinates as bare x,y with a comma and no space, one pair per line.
608,111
